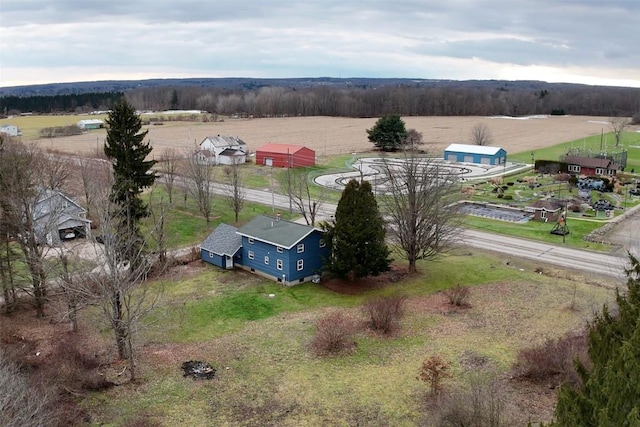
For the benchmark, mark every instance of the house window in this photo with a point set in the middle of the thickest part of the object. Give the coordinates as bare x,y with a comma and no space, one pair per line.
250,254
210,254
279,249
543,213
266,260
279,264
322,243
574,168
301,248
599,171
250,240
300,264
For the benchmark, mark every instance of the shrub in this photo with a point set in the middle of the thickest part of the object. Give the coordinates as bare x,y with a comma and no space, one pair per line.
434,369
384,313
458,295
554,358
479,405
334,333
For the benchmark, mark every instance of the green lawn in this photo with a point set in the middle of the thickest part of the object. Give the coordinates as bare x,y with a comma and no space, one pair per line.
597,143
267,374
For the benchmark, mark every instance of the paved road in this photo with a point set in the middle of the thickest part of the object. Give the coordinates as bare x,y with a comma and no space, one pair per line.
561,256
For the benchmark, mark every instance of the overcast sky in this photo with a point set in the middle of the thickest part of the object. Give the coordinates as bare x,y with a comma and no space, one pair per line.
580,41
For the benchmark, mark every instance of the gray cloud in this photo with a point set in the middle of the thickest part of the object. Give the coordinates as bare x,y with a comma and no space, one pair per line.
269,38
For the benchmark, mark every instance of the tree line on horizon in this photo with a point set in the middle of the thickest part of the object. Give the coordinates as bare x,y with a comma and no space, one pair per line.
511,99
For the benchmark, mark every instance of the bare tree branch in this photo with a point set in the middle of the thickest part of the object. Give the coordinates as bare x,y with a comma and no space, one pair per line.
481,135
419,202
198,182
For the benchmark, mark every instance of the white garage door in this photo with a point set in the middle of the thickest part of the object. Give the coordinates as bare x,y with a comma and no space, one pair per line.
268,161
485,160
452,158
468,159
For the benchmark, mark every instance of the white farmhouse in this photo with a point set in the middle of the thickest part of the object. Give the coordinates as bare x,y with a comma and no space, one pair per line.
10,130
222,150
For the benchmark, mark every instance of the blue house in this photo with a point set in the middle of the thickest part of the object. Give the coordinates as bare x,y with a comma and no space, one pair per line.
480,154
284,251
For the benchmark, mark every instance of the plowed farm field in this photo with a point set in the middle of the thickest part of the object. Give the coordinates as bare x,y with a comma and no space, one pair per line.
330,136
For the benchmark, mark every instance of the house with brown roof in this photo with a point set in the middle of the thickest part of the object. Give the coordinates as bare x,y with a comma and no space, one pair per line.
544,211
590,165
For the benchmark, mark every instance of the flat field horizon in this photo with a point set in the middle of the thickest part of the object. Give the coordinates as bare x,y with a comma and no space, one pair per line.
330,136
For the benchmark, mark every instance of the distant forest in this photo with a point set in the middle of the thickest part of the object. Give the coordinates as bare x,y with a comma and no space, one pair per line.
340,98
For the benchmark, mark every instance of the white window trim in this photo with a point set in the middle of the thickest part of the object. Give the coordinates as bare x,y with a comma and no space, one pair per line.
279,264
543,213
210,254
600,171
266,260
250,255
322,243
250,240
300,265
300,248
279,249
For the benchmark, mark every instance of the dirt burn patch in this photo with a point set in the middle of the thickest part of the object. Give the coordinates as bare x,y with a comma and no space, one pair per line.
198,370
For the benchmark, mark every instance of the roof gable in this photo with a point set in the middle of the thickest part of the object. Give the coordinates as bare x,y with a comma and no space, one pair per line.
223,240
590,162
272,147
274,231
474,149
224,141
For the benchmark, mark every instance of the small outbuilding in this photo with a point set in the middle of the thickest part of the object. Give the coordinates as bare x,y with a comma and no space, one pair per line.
285,155
544,211
479,154
89,124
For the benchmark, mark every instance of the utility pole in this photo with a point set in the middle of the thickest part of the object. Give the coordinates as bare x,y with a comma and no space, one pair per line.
273,197
289,180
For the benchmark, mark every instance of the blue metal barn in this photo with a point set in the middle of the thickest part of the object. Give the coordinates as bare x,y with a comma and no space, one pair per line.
479,154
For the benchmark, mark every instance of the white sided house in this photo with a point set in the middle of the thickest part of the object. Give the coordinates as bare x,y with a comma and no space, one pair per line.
10,130
478,154
222,150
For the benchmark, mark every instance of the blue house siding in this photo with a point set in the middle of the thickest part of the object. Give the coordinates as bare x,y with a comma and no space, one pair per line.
211,258
312,259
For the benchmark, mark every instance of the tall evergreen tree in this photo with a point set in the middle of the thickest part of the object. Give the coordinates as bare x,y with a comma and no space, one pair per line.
127,151
610,390
357,234
389,133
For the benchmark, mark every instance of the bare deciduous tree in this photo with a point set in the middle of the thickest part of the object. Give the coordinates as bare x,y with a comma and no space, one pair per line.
27,222
618,124
419,200
234,187
198,182
307,198
21,405
169,167
413,140
480,134
119,288
56,170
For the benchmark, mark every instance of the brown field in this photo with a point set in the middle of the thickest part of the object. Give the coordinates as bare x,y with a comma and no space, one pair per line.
335,135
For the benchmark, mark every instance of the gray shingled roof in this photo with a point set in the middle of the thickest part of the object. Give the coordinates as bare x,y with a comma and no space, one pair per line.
278,232
223,241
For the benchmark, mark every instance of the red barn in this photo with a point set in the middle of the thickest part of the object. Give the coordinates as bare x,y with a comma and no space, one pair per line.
285,155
